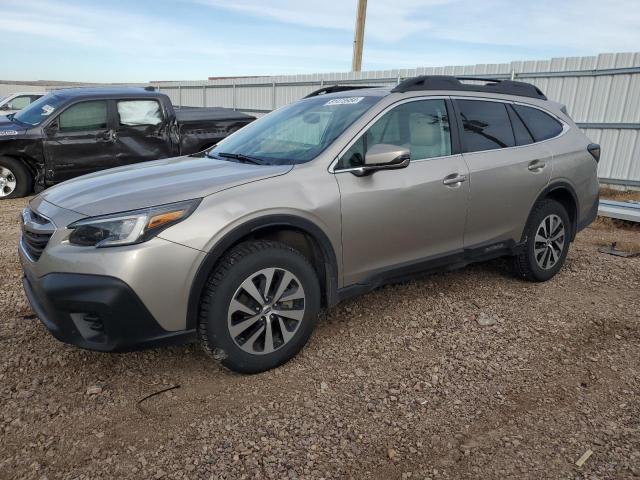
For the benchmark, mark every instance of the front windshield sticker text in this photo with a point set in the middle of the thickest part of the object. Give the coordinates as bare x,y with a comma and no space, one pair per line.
344,101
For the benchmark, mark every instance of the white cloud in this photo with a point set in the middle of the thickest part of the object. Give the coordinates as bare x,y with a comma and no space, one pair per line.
386,20
399,34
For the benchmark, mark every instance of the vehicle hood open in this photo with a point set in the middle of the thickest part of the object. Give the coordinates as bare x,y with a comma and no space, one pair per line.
154,183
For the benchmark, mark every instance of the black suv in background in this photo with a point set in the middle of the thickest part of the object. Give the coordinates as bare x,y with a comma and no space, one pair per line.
73,132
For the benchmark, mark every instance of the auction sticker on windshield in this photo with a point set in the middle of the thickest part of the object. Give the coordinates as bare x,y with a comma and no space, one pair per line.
47,110
344,101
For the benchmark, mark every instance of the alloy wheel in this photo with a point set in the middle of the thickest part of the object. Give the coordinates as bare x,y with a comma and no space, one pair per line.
7,182
549,241
266,311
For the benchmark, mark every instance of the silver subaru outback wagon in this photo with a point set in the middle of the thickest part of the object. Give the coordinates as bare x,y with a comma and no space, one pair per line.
240,246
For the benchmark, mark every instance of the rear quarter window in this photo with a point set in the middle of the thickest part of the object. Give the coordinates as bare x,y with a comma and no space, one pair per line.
541,125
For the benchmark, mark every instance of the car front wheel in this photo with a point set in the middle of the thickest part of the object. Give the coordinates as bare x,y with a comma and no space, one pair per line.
259,306
15,179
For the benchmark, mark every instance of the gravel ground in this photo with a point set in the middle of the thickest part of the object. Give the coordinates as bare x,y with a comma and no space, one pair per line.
469,374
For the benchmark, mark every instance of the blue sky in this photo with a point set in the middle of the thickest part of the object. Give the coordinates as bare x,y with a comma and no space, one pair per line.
193,39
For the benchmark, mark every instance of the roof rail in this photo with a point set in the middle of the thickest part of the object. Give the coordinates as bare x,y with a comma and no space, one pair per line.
444,82
337,88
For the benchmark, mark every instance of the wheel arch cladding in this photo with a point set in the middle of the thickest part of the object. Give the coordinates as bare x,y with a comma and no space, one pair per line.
564,194
299,233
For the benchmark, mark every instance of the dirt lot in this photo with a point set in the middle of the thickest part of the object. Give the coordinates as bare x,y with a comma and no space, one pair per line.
403,383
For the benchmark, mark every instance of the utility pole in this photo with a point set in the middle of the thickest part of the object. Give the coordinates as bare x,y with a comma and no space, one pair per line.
356,64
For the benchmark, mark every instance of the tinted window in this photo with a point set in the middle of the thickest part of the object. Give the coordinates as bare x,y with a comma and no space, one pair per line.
541,125
84,116
421,126
486,125
139,112
523,136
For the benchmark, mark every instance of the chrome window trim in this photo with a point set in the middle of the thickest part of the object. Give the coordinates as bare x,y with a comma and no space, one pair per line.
375,119
565,126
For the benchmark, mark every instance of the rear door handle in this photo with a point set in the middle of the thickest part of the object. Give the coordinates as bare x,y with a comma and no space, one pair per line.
454,179
536,166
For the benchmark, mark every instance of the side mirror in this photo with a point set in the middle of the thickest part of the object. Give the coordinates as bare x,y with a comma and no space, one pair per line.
383,157
52,129
5,107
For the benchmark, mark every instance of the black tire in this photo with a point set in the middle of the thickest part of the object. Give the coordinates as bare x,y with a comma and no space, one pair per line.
527,264
24,181
223,285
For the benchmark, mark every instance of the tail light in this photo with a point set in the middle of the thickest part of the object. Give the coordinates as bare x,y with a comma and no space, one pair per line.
594,150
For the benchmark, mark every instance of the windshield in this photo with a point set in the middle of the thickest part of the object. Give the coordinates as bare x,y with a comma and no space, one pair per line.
38,111
296,133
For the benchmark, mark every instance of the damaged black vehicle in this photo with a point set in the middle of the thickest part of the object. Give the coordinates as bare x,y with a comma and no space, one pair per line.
73,132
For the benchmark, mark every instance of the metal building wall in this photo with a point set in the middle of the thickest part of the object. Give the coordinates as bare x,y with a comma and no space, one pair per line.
602,94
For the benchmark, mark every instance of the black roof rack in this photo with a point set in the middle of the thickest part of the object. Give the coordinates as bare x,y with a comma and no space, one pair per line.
443,82
336,88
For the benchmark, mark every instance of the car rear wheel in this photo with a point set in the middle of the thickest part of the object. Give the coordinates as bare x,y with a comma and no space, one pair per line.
547,237
259,306
15,179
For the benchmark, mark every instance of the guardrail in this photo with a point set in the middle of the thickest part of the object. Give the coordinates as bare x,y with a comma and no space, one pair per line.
629,211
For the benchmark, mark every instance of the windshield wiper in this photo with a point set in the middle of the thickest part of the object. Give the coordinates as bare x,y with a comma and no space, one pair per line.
241,158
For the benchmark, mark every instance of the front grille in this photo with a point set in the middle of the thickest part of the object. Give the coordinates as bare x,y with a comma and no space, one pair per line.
36,232
35,243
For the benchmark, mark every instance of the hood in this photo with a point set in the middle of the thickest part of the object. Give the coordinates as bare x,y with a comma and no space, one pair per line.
10,129
154,183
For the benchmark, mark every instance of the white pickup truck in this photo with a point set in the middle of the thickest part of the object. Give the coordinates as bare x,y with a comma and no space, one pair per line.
17,101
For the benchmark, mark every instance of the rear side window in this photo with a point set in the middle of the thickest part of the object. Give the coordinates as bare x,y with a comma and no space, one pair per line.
541,125
486,125
520,131
139,112
84,116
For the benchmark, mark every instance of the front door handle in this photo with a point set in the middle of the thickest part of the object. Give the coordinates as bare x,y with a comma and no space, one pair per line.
454,179
536,166
109,136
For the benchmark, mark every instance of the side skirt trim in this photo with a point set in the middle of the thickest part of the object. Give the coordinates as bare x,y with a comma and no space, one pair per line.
451,261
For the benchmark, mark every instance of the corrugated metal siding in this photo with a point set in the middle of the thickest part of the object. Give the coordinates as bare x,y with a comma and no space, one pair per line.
610,99
9,89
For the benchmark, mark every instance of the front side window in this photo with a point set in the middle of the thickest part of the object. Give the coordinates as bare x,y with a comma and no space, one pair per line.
421,126
84,116
298,132
541,125
139,112
486,125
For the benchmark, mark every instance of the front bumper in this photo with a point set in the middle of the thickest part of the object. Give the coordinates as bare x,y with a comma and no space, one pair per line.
97,312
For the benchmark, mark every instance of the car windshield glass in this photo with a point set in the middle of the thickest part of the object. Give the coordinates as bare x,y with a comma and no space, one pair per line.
296,133
2,99
38,111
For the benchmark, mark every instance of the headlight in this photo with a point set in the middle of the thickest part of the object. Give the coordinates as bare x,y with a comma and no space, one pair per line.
127,228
